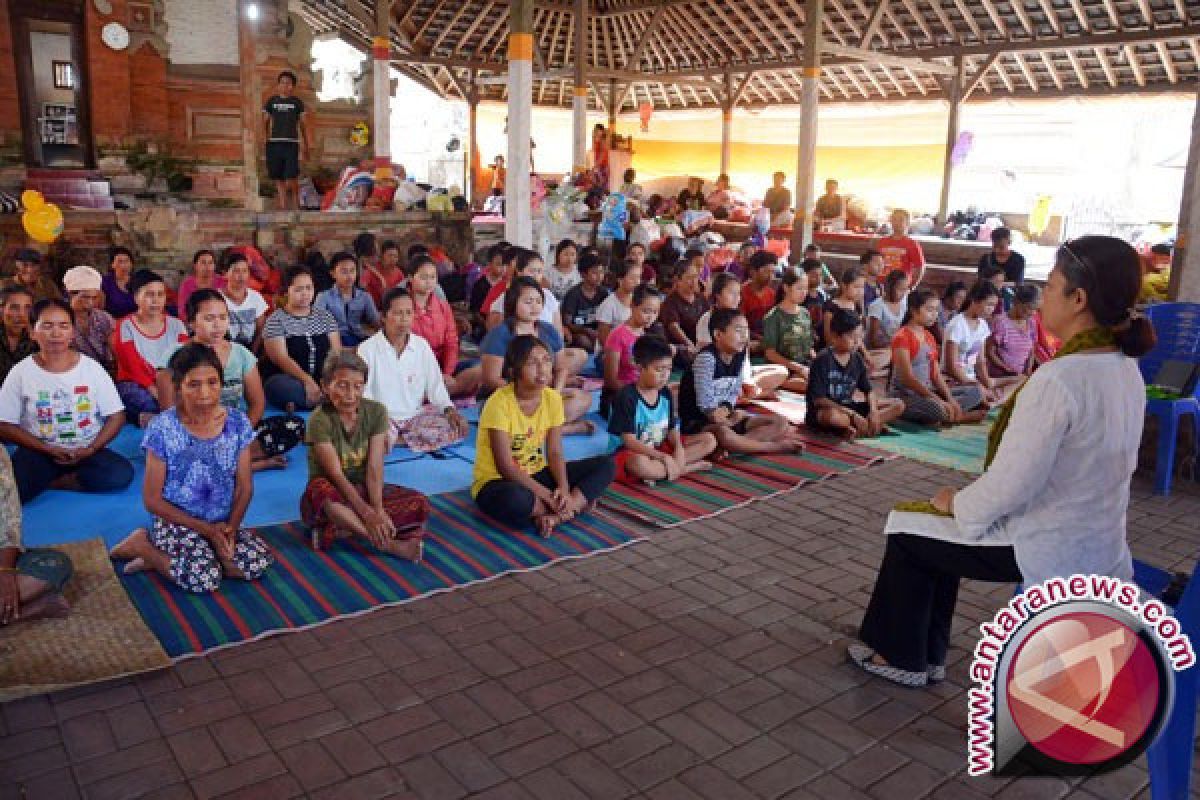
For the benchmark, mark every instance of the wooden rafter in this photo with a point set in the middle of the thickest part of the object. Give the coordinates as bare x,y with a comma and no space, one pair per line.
1051,16
1027,25
873,23
969,18
1168,63
1077,66
1106,67
1054,76
1026,72
1081,15
1135,64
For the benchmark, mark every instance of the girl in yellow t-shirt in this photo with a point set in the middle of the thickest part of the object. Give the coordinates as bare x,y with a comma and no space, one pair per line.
520,472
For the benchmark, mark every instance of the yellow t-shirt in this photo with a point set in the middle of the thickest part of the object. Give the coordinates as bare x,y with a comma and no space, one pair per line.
526,434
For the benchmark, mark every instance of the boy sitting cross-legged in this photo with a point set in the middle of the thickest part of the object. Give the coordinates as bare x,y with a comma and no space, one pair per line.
840,395
710,388
645,427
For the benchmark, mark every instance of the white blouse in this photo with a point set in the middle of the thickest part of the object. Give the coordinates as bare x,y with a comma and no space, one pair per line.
1058,489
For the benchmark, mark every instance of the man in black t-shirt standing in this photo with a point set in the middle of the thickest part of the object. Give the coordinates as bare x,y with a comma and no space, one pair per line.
287,140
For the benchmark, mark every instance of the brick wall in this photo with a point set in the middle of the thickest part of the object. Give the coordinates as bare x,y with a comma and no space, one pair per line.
111,86
202,31
148,93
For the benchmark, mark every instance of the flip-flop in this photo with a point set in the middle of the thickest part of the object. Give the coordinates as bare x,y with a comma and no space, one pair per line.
862,656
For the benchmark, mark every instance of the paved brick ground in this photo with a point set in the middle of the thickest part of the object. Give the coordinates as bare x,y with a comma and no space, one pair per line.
707,663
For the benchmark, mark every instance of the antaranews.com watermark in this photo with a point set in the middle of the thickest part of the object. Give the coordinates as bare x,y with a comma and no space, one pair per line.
1045,669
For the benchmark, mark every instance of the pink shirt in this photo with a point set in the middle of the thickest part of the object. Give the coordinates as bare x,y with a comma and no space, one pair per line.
188,285
435,324
1013,343
621,341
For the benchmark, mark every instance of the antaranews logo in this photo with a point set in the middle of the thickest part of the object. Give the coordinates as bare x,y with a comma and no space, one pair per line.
1074,676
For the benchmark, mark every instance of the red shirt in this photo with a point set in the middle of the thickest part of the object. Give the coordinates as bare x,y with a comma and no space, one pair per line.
901,253
756,303
497,289
376,286
435,324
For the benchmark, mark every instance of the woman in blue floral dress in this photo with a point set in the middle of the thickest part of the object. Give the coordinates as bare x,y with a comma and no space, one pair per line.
198,485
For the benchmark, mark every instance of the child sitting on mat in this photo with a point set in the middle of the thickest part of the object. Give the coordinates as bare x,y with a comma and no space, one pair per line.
815,300
840,395
1010,348
198,485
710,389
242,389
346,495
761,381
142,343
580,305
758,294
620,367
644,426
617,306
520,472
917,378
788,332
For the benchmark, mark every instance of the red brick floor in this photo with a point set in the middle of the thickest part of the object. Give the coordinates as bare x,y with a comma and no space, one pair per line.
708,662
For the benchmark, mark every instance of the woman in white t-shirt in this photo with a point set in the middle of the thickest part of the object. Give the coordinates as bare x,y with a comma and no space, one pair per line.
247,308
61,410
564,274
966,334
617,307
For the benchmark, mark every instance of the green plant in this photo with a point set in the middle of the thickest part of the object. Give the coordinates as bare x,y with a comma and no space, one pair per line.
156,162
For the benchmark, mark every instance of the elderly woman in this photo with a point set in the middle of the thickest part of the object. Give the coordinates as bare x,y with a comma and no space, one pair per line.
94,326
346,496
31,581
1053,498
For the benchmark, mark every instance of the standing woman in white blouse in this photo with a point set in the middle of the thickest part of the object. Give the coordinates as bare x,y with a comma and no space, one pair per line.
1053,498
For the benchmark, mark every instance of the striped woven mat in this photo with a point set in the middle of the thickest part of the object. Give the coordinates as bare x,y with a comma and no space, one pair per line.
960,447
304,588
737,481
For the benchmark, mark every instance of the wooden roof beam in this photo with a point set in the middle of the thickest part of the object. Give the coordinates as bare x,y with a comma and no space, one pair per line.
1168,63
643,42
1018,9
887,59
969,18
873,23
1106,67
1081,15
1051,15
1026,71
1002,72
972,79
1115,18
1077,66
1054,76
1135,65
919,18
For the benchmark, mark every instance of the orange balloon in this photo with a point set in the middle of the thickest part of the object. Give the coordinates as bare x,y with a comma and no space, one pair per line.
32,199
44,224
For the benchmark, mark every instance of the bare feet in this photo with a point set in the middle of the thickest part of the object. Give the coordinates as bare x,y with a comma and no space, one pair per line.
718,455
546,523
132,546
794,442
272,462
698,466
231,570
135,566
408,549
51,605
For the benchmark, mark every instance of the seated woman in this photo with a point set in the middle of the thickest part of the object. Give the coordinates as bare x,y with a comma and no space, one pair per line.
520,472
615,308
346,496
1053,497
61,410
433,320
142,344
296,341
405,377
204,276
1010,349
526,263
917,379
241,387
197,486
788,333
682,310
965,334
522,309
31,581
93,326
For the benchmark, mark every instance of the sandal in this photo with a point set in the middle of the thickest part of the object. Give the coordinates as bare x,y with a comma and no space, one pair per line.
936,673
862,655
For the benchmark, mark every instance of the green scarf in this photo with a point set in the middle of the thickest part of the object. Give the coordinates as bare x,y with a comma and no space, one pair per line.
1085,340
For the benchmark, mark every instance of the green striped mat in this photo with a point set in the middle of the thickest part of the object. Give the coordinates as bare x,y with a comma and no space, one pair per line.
960,447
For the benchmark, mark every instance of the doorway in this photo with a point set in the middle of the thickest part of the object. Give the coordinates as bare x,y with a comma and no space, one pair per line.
52,81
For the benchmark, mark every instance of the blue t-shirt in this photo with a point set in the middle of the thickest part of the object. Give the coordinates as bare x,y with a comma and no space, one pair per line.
498,338
201,473
632,414
353,315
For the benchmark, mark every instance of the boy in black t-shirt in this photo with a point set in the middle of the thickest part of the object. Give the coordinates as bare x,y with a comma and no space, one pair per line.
840,396
581,301
287,140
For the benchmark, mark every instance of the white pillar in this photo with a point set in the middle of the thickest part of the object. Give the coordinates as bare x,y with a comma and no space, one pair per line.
518,218
381,50
726,138
579,138
1185,266
806,165
956,87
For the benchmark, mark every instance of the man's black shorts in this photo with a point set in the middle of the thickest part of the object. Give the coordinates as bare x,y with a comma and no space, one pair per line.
283,160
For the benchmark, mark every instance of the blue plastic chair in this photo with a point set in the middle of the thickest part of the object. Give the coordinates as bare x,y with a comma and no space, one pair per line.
1170,757
1178,329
